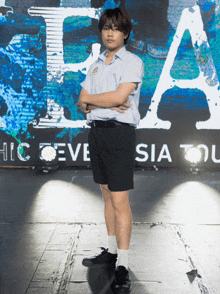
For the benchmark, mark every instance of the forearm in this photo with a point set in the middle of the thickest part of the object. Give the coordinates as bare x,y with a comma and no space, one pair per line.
109,99
105,100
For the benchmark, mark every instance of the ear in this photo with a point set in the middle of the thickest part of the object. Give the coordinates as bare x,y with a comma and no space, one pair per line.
125,36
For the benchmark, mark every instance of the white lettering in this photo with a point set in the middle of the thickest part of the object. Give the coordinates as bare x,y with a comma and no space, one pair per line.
12,146
206,149
20,151
60,151
153,152
213,154
141,152
4,151
186,146
74,156
200,146
164,154
86,152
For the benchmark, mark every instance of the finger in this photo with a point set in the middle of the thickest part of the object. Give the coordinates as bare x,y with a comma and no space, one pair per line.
123,107
84,109
126,105
117,109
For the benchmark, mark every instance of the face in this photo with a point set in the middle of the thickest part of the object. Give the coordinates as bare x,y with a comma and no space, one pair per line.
113,38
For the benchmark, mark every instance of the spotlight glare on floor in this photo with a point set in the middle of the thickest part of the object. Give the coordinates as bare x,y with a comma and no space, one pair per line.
194,155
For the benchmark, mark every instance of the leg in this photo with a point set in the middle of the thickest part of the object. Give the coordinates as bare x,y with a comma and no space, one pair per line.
123,225
107,256
120,169
109,210
123,218
118,216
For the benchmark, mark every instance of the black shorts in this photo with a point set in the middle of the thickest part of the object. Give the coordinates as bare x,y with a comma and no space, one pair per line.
112,151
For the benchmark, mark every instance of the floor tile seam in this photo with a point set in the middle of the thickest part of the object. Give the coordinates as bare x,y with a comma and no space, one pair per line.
103,223
196,273
50,223
174,224
32,279
65,268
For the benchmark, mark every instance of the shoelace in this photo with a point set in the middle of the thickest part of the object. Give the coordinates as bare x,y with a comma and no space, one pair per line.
104,250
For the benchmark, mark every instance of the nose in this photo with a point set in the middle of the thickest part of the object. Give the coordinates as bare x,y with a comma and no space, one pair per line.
110,32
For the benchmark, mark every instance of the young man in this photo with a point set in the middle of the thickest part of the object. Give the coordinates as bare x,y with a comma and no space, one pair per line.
110,97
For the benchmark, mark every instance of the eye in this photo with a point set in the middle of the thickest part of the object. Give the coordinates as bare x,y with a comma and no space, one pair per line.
115,28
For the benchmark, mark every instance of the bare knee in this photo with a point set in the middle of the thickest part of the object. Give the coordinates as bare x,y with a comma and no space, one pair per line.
106,193
120,203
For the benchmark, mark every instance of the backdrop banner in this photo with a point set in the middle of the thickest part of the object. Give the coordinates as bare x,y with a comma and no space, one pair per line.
47,47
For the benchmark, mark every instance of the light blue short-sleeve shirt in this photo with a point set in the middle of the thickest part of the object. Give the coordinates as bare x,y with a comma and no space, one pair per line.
125,67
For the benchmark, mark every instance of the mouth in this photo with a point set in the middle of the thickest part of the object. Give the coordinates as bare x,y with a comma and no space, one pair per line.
110,41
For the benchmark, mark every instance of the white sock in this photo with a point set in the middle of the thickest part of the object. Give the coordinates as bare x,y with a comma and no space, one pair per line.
112,244
122,258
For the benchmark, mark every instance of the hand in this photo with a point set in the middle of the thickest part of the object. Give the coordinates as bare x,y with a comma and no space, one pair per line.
122,108
82,106
91,107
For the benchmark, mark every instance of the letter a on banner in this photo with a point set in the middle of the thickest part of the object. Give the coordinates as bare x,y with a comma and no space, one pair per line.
207,81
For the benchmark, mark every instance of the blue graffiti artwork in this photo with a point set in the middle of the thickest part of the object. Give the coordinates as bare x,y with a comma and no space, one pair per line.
41,68
23,80
23,73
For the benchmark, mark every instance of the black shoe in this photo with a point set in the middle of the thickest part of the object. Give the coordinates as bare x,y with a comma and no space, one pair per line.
122,284
101,260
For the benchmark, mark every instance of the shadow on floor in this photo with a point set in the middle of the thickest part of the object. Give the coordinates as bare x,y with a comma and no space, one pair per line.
101,279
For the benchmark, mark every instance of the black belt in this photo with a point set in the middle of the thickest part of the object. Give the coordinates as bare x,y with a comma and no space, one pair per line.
106,123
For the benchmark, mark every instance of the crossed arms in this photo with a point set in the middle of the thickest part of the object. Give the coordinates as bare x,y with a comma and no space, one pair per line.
115,100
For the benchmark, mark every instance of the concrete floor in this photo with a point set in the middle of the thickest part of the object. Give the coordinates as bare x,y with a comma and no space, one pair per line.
50,222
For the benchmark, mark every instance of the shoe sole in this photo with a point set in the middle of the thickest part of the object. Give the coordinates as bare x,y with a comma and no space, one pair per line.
115,292
94,265
98,265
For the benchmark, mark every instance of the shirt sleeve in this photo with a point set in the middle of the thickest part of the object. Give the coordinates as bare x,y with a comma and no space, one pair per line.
86,84
133,71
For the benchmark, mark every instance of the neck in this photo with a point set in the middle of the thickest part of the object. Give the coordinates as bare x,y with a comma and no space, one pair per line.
111,53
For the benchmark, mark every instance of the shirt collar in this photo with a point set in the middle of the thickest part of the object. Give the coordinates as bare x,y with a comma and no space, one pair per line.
120,54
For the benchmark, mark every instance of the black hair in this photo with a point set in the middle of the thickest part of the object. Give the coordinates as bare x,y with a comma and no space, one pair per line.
117,17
